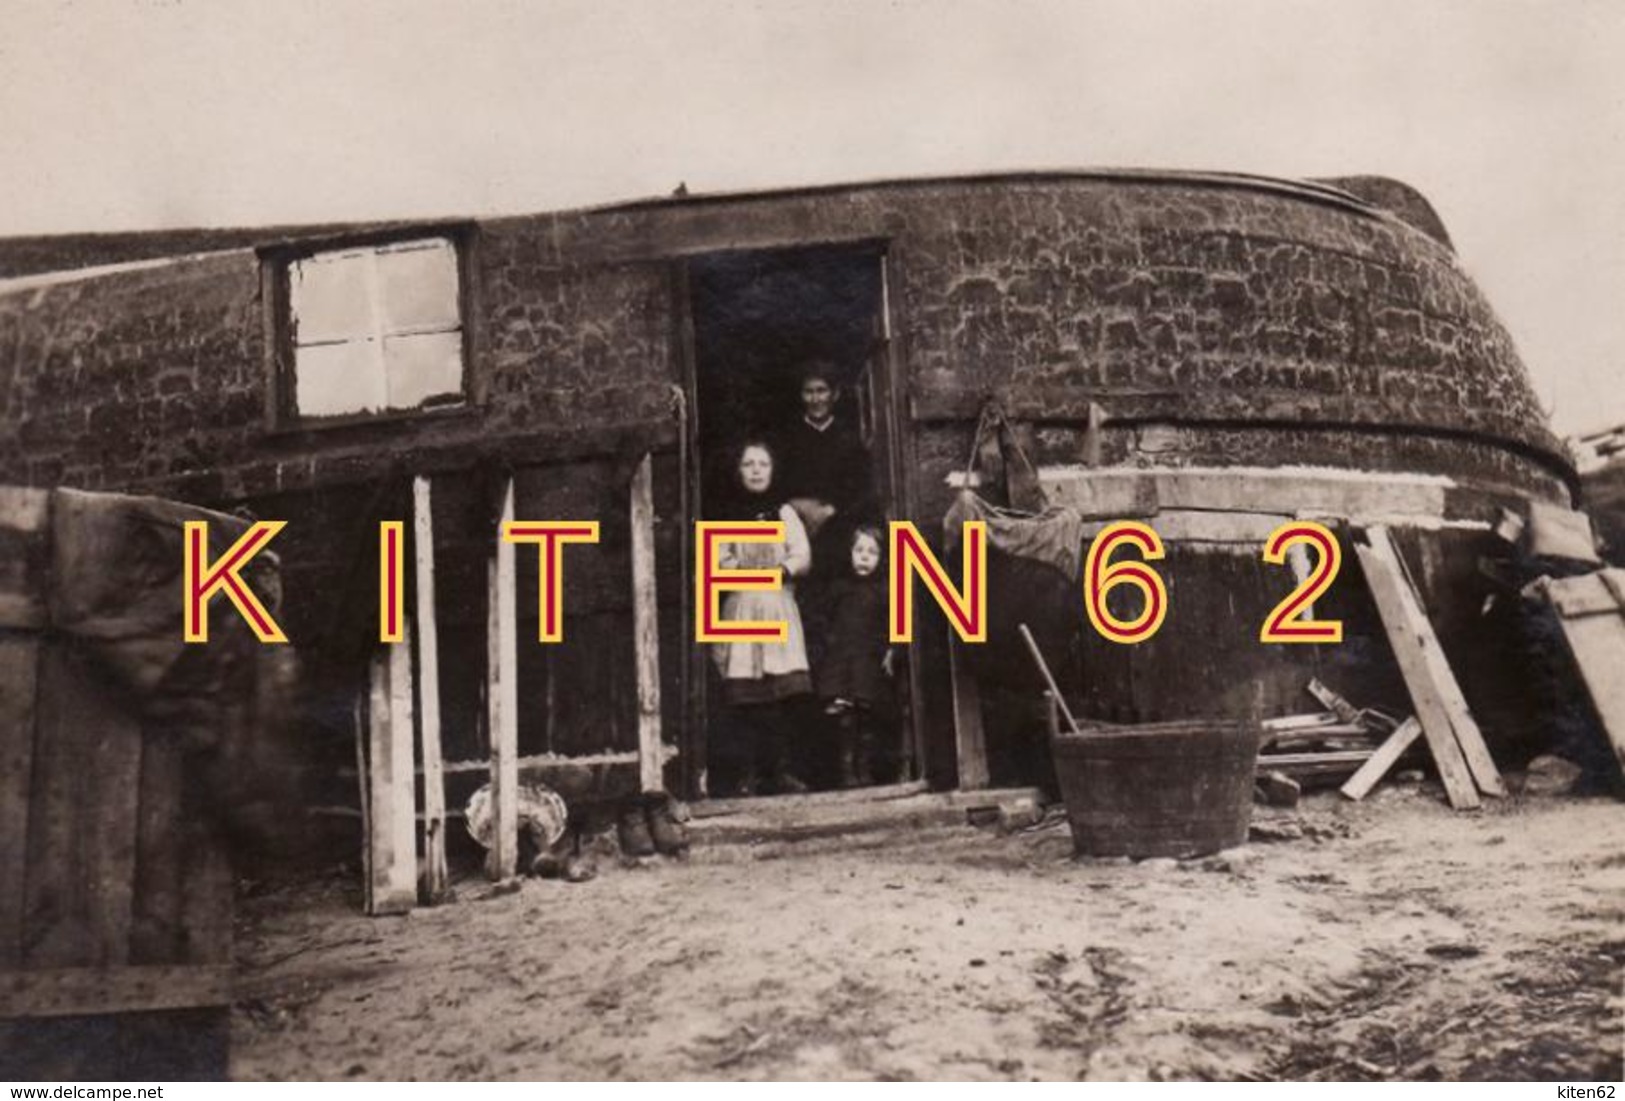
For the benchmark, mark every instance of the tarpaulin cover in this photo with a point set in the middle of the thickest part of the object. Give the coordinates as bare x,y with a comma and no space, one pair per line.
1054,537
115,586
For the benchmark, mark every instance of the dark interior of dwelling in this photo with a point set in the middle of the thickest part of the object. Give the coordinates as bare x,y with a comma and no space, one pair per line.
760,318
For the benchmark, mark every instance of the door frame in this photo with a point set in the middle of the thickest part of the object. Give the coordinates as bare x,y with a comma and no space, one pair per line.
888,370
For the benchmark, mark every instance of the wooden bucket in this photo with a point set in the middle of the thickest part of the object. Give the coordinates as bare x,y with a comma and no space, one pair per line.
1157,789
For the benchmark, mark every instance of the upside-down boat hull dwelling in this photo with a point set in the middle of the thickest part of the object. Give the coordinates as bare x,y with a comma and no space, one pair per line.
1212,354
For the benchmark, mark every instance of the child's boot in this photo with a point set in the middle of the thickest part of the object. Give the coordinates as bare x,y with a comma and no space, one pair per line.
847,751
862,752
785,782
780,780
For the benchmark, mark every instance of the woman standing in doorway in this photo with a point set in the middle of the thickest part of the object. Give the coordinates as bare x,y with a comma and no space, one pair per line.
827,475
760,678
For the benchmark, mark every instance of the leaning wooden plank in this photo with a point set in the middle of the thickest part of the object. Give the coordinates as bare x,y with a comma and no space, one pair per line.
1597,640
392,839
646,627
1598,645
502,701
428,653
81,991
1342,708
82,818
358,728
1590,594
1385,584
1360,784
19,663
1614,582
1468,736
970,740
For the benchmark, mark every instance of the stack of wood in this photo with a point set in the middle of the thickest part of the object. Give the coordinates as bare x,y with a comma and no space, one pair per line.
1326,747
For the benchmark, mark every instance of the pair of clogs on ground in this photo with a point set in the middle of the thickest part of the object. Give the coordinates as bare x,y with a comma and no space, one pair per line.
649,825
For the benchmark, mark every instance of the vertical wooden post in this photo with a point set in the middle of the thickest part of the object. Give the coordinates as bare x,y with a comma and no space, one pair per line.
502,701
646,627
970,742
427,635
19,664
359,727
25,521
392,840
694,752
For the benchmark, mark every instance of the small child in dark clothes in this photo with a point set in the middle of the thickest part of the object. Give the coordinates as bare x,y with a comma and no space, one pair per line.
851,674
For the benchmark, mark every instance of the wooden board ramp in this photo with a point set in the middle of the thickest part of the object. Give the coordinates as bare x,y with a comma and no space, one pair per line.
1591,610
1452,735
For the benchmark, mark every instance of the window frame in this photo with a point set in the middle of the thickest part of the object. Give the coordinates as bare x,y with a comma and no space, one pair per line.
277,264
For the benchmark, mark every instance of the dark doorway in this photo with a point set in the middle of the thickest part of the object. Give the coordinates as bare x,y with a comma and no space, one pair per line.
759,318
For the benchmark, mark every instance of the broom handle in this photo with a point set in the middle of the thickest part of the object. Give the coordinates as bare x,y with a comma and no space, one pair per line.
1043,669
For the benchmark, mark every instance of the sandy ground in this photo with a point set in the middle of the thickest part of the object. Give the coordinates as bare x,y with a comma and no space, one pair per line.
1393,939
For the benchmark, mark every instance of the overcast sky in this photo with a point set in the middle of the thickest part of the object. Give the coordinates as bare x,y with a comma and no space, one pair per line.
1510,116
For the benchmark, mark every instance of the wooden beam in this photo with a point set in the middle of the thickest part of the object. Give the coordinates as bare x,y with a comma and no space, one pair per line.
1329,759
502,701
1259,492
19,664
712,808
970,740
1300,722
646,627
1385,584
428,683
84,991
392,829
563,760
1468,735
1360,784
